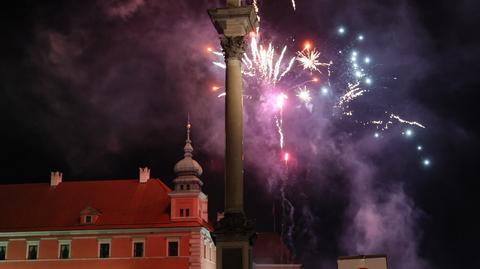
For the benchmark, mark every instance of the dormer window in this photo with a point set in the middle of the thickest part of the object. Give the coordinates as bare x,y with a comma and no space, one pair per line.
89,215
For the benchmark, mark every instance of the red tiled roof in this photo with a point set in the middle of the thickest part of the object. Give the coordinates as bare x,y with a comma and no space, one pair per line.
121,203
270,249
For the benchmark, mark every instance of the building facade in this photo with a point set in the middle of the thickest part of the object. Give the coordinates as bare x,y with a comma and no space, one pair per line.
131,223
136,223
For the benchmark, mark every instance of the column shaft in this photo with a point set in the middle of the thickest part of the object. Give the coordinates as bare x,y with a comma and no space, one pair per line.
233,137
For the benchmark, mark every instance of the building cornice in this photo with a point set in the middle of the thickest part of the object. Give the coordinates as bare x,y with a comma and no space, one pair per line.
99,232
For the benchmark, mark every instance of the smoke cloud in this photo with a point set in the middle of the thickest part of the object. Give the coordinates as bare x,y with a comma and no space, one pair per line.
115,82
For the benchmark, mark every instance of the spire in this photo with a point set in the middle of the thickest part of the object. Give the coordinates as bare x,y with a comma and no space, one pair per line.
188,166
188,149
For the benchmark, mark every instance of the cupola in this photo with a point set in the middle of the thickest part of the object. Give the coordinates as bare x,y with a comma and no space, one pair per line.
187,169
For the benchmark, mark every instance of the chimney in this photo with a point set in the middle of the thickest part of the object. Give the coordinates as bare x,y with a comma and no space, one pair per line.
55,178
144,174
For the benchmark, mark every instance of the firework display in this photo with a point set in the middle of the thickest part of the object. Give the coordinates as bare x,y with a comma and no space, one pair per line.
277,79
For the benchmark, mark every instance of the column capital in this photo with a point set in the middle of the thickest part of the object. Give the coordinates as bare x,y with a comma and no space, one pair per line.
233,47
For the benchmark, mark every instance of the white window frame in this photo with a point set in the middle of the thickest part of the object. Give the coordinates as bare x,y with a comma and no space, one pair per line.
105,241
210,250
173,239
32,243
4,244
138,240
64,242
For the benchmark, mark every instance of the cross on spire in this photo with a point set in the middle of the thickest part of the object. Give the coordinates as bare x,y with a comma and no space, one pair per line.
188,149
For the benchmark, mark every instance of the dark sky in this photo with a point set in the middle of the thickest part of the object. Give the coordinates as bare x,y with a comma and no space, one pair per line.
98,88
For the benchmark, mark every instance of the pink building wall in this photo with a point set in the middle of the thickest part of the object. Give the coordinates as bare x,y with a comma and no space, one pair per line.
84,252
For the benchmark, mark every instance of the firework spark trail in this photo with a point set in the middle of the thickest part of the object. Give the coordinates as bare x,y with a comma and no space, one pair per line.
393,116
219,64
309,60
386,124
279,103
352,93
279,124
264,62
294,5
288,211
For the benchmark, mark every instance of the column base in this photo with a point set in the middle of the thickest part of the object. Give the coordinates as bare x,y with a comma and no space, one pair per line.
234,236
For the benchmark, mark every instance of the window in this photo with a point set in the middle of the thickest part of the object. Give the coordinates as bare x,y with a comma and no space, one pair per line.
188,187
173,248
204,251
64,250
88,219
32,251
181,187
3,251
181,212
137,249
104,250
187,212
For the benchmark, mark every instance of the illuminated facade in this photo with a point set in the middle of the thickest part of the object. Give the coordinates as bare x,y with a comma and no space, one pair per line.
139,223
132,223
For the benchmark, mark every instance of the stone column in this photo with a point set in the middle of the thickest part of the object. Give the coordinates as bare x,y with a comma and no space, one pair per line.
233,48
234,234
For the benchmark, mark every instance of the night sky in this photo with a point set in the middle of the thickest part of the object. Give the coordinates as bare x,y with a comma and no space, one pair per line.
96,89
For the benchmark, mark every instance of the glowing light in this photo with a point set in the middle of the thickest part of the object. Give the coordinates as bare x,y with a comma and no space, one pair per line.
354,54
358,74
341,30
360,37
286,157
304,95
367,60
376,135
368,81
408,132
209,49
324,90
426,162
419,148
307,45
280,100
315,79
215,88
